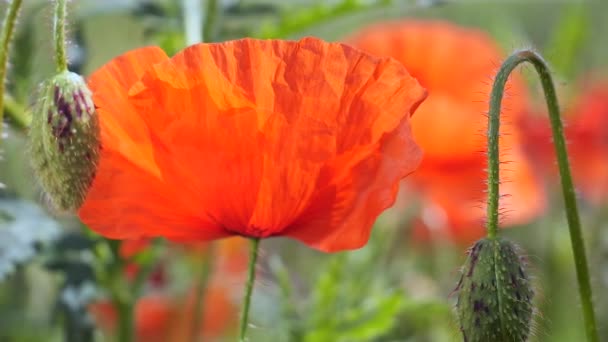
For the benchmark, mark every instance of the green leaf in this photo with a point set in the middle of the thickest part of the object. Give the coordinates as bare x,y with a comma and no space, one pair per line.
291,22
377,320
568,40
326,293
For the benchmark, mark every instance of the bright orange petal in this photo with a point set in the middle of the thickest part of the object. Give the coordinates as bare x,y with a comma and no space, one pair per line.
345,209
126,133
129,198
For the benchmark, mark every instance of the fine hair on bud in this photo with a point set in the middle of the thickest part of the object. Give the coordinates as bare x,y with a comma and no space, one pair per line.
64,140
495,294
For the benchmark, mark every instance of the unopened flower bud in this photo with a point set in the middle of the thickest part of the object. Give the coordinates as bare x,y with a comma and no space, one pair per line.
64,139
494,294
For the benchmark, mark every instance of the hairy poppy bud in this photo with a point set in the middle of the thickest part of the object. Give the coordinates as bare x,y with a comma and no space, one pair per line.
494,294
64,139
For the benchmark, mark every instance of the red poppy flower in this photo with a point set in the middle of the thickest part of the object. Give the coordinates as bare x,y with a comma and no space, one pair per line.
456,65
130,248
586,130
229,255
164,318
257,138
219,314
152,316
587,133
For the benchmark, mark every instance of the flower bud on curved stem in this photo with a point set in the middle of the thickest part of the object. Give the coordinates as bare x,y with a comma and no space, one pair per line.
466,300
64,140
61,59
64,133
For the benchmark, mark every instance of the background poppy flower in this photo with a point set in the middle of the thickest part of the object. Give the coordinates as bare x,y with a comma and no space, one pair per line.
586,122
456,65
161,317
257,138
219,314
587,133
131,247
152,316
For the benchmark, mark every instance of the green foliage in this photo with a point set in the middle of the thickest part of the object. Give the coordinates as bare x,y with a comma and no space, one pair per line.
161,24
291,22
354,296
70,259
21,69
26,231
567,43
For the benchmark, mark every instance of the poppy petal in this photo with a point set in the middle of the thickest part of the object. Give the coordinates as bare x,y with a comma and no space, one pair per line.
128,197
343,212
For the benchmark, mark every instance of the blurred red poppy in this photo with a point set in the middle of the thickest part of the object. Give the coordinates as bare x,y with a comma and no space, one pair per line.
229,255
256,138
456,65
219,315
586,130
162,318
131,247
152,316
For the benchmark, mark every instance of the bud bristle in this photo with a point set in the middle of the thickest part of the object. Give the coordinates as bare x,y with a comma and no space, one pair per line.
494,294
64,140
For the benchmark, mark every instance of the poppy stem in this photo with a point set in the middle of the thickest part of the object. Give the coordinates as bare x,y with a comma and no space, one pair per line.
8,28
253,256
201,289
19,115
122,296
59,34
210,20
576,236
125,320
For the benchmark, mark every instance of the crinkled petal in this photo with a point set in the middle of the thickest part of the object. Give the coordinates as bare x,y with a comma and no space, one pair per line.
254,128
354,190
128,197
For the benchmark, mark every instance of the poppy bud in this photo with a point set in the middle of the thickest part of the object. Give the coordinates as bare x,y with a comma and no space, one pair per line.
64,139
494,294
